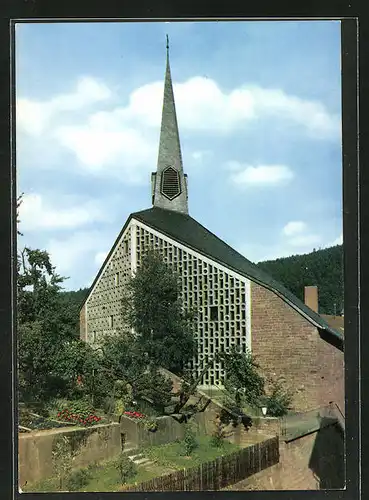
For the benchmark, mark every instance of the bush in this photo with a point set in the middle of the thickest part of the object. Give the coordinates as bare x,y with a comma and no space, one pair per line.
80,412
78,479
150,424
218,435
278,402
189,441
126,468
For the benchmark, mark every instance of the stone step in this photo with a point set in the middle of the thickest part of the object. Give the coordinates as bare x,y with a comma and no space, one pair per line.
142,461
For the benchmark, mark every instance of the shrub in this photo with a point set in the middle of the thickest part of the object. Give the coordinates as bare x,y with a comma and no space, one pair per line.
278,401
218,435
150,424
189,441
126,468
79,411
77,479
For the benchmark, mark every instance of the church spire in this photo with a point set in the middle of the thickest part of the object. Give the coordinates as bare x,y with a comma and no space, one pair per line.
169,183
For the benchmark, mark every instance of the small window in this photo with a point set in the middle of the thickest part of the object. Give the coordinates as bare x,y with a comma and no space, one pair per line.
213,313
116,279
111,321
93,336
126,247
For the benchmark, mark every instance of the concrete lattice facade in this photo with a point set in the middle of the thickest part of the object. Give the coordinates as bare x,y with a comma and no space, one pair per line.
221,297
290,340
103,307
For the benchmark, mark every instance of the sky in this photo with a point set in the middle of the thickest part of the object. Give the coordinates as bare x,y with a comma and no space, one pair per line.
259,115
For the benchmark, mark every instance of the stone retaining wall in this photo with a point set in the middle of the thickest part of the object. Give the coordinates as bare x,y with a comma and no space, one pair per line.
35,457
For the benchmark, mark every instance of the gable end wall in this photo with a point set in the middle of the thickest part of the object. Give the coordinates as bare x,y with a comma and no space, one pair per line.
287,346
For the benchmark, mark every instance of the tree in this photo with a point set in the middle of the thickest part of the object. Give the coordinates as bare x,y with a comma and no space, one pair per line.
323,268
153,308
242,379
49,355
132,374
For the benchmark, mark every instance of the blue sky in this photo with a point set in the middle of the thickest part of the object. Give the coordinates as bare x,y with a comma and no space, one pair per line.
259,114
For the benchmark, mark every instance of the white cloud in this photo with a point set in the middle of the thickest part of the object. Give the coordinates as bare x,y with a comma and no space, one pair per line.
36,214
294,227
34,117
305,240
102,143
71,253
100,257
202,105
298,235
337,241
259,175
201,156
123,141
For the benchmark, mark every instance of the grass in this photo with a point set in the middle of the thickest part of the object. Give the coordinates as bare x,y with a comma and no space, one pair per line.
172,455
105,476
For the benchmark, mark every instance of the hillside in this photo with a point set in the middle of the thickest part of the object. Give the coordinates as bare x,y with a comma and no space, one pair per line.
323,268
72,301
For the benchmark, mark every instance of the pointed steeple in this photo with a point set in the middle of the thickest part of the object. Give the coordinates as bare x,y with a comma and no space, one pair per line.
169,183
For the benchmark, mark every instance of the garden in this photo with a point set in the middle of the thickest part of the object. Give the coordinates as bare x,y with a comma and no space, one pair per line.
115,475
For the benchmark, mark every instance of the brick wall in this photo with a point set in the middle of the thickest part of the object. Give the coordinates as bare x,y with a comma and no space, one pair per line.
311,462
287,346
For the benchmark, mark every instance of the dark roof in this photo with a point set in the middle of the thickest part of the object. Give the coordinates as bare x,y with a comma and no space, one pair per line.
186,230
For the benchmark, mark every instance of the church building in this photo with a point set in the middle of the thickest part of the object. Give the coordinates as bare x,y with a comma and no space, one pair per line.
237,302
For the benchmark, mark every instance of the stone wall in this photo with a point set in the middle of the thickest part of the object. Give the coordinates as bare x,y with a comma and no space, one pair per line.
135,433
35,457
289,348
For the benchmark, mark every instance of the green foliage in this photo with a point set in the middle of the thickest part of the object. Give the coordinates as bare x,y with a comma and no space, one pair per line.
189,442
71,302
278,401
126,468
62,458
153,308
50,356
124,367
242,379
218,435
150,424
79,410
323,268
77,479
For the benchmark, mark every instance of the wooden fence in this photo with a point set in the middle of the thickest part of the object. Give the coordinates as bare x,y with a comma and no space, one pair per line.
219,473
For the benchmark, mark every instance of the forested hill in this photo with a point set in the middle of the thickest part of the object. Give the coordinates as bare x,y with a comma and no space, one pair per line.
323,268
72,301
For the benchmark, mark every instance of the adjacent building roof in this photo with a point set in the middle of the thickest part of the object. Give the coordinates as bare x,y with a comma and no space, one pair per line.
187,231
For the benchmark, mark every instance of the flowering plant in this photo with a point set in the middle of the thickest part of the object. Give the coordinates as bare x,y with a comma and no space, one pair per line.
134,414
86,420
